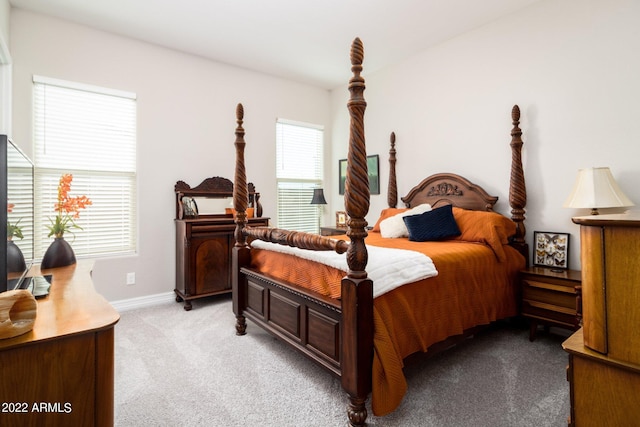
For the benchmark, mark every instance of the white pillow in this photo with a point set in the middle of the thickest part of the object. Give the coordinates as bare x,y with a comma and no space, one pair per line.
395,227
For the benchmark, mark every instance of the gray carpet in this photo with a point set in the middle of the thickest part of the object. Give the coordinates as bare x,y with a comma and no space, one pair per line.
190,369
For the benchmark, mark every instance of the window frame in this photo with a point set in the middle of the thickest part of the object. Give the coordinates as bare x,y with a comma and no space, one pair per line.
299,214
105,171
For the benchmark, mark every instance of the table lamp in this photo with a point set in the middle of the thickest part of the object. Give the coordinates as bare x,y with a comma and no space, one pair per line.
318,199
595,188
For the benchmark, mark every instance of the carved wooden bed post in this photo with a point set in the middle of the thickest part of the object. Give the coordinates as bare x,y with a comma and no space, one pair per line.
392,192
240,202
357,288
517,188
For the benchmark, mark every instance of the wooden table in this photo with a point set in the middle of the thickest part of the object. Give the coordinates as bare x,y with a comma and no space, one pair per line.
62,371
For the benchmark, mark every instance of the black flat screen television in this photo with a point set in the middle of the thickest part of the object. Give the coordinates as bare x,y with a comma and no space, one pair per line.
16,214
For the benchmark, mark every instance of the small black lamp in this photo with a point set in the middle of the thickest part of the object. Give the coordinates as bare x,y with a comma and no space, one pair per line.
318,199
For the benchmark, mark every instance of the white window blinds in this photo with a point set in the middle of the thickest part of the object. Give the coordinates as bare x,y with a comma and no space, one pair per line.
89,132
299,169
20,197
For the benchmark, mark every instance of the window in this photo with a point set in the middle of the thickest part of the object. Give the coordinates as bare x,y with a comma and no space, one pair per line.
89,132
299,169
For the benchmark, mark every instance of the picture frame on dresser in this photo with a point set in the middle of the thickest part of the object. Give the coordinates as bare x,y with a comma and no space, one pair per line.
551,249
190,207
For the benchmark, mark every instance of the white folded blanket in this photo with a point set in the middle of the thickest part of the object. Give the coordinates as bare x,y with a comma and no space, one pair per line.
388,268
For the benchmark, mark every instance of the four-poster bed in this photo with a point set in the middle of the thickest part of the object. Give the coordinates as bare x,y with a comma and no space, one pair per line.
328,313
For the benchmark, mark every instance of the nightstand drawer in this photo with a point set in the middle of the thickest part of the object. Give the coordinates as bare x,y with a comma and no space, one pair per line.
550,313
555,295
332,231
551,298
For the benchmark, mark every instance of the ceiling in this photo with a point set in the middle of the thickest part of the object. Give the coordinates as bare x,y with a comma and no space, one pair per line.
302,40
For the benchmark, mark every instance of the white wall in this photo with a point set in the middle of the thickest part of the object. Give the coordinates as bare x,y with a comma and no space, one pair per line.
571,65
5,69
186,124
5,16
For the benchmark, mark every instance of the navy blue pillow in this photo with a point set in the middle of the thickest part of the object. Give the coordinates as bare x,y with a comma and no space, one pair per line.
436,224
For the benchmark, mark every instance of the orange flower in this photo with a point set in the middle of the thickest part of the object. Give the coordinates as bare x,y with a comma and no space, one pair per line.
67,208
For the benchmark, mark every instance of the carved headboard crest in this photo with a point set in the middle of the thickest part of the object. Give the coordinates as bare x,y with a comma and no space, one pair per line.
445,189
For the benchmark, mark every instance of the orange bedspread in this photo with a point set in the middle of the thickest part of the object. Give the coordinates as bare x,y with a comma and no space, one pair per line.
472,288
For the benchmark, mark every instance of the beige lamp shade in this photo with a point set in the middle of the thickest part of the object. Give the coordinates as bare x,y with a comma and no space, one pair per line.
595,188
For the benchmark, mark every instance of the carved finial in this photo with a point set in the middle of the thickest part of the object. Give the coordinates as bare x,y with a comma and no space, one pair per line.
516,131
392,138
240,112
239,128
357,52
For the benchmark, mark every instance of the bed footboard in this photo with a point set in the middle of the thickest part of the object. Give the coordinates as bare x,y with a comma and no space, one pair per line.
310,323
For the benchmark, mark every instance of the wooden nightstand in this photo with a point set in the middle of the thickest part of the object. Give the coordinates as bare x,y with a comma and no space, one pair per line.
551,298
332,231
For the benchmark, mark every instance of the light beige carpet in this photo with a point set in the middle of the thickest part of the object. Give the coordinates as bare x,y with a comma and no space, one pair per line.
178,368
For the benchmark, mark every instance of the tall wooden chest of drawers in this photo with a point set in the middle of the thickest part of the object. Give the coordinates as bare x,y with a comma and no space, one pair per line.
604,356
610,257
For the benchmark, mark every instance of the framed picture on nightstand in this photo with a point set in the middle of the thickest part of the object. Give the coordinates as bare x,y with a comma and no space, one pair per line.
551,249
341,219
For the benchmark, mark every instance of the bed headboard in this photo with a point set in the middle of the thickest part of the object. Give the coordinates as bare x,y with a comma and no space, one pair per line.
449,189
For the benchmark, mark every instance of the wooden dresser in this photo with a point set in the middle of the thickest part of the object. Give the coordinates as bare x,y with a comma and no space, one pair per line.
61,373
604,391
204,241
604,356
203,256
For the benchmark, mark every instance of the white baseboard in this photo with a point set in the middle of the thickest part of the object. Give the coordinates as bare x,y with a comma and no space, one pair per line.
145,301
